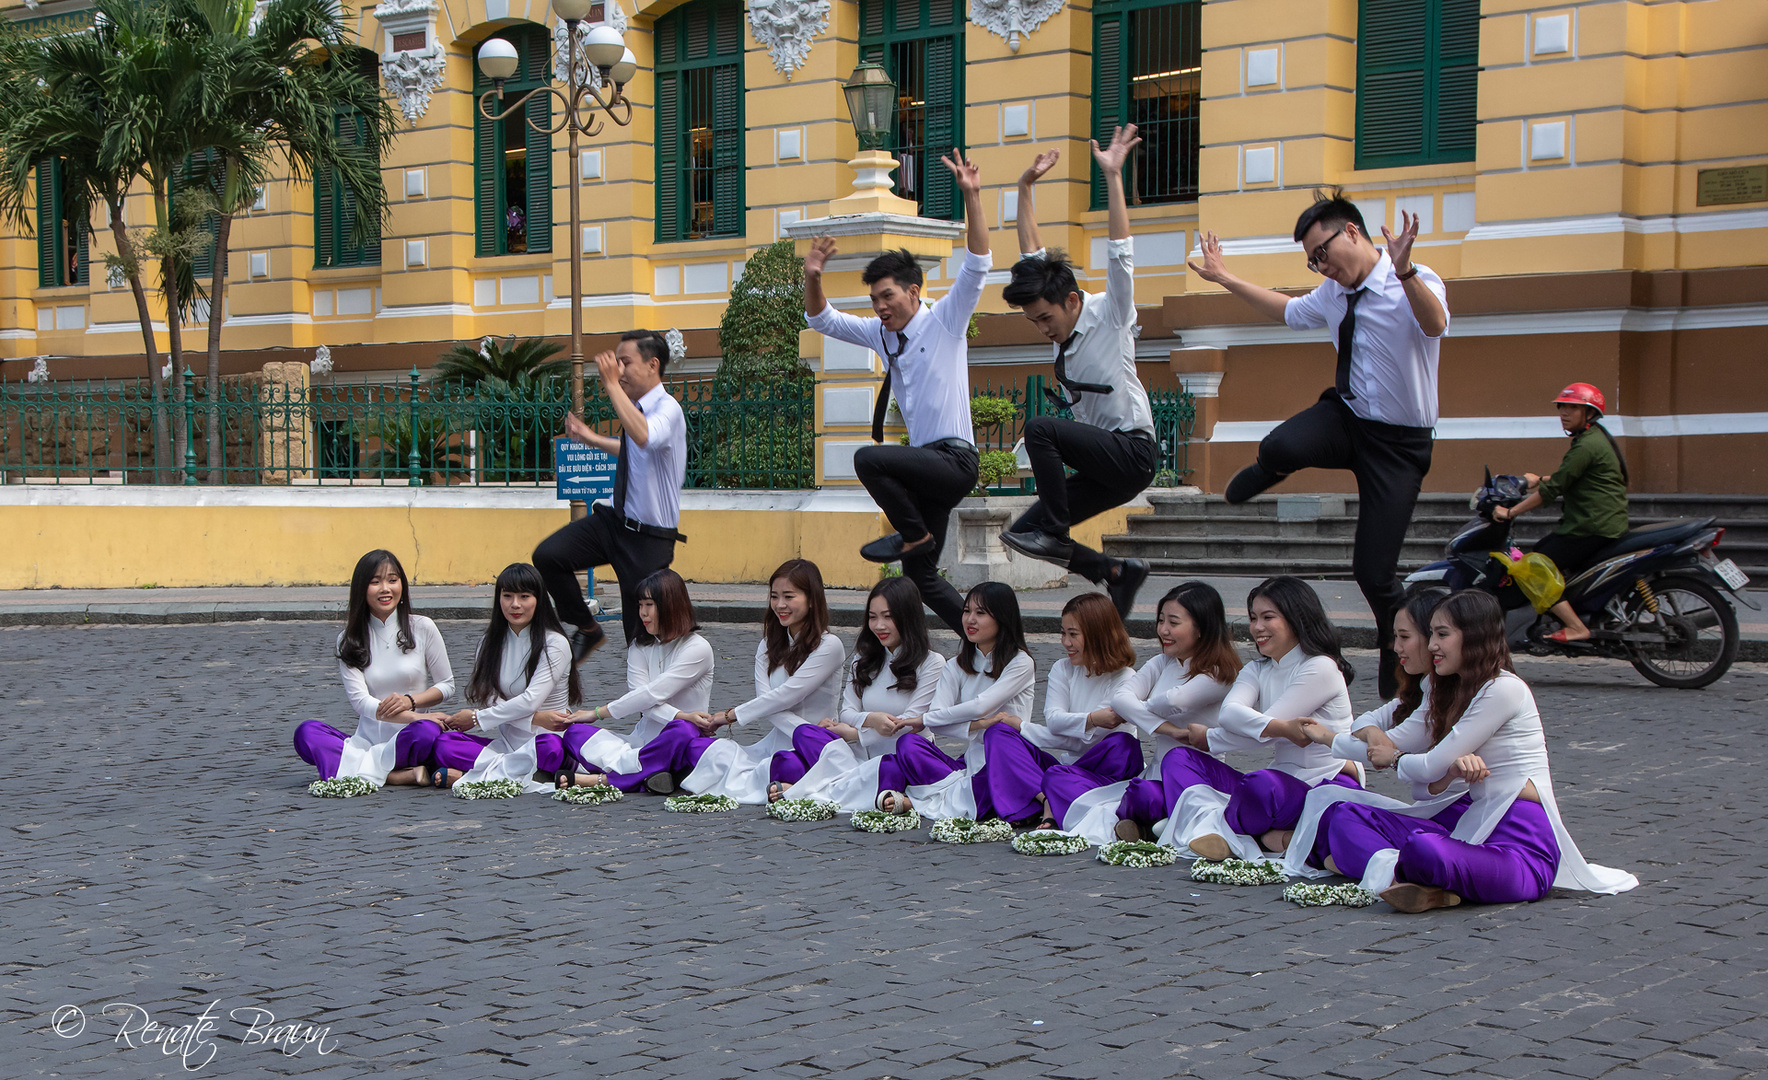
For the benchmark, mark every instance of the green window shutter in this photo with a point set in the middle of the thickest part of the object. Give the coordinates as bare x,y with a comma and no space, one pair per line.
202,264
487,176
871,18
940,199
1110,87
1417,81
669,157
727,150
83,260
537,45
1457,95
325,216
48,225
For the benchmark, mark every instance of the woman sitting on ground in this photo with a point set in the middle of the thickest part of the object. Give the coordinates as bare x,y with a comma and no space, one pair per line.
668,680
1183,686
992,678
1510,845
893,675
798,668
522,681
1080,728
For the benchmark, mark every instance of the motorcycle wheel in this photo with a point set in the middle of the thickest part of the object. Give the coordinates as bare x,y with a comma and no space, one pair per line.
1698,629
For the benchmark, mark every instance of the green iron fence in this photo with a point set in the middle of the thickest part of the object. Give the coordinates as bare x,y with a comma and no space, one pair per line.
402,433
408,432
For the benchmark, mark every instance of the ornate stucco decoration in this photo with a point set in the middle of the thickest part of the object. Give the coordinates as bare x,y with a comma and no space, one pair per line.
1012,19
410,76
561,59
786,28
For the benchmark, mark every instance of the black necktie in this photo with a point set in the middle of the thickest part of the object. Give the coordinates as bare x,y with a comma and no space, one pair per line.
882,405
1076,388
1346,330
620,469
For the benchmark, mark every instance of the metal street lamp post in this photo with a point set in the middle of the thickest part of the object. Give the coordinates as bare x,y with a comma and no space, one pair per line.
581,100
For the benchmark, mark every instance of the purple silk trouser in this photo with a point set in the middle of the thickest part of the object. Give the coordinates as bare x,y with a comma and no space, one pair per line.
1350,835
1257,801
1016,770
1516,863
322,745
458,750
916,763
675,749
808,740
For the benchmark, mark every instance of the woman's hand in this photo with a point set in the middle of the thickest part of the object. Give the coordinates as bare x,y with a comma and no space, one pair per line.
1383,757
394,704
1288,729
1197,736
552,720
1468,767
1317,732
910,723
1374,736
1103,718
846,731
883,723
703,721
463,720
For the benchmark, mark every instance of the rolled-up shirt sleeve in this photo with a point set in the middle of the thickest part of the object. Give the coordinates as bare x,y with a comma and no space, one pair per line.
954,310
1306,312
1120,278
844,327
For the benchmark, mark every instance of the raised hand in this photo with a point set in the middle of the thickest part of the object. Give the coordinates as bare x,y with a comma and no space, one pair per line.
609,367
1213,268
822,249
1399,248
1111,158
1468,767
969,177
1040,165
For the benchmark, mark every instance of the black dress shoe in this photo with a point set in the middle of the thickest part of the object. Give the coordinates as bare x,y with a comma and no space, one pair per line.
1040,545
1250,481
888,549
586,640
1122,589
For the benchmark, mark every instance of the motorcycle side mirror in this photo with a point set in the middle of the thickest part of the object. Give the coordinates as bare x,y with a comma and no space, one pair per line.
1488,476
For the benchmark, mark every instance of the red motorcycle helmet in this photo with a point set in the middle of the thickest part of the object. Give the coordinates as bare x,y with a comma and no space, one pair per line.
1582,393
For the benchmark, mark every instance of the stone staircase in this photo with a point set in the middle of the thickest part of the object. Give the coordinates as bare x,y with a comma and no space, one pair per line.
1312,535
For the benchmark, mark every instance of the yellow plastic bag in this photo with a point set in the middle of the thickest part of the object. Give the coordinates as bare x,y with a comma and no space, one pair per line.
1537,577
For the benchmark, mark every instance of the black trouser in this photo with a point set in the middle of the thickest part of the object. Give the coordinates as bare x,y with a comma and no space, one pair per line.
1110,469
598,539
1572,554
916,487
1389,462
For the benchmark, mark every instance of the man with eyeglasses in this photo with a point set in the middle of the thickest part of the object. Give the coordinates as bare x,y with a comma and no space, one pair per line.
1387,317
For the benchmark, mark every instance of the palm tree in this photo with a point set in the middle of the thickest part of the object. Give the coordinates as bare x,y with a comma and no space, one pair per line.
503,366
291,84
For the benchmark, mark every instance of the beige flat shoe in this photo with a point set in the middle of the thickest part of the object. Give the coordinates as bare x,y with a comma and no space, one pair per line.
1127,831
1413,899
1212,847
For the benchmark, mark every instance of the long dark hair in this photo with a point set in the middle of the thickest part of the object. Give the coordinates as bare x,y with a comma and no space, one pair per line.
1484,653
781,648
675,611
1215,655
1418,608
1300,607
353,646
1001,604
517,578
911,626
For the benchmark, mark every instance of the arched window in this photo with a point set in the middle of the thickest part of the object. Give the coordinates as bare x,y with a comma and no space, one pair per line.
512,162
700,121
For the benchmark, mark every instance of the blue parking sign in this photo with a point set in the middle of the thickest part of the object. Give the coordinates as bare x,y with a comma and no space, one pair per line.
583,471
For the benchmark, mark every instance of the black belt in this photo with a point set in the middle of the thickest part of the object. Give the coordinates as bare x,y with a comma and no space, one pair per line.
953,443
641,527
1148,435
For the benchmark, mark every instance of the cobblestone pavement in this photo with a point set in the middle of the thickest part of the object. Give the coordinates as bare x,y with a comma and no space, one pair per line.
162,854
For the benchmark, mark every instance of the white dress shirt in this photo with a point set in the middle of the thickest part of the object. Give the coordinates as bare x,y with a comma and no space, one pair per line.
1165,692
930,378
1296,686
509,719
656,470
371,753
1393,361
882,695
1104,348
1070,694
963,698
662,679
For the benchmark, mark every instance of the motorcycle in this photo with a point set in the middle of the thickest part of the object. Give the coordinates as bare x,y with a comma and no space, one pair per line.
1652,597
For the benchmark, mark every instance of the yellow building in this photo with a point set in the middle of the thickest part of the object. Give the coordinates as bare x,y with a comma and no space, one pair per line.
1592,180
